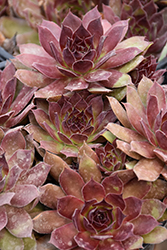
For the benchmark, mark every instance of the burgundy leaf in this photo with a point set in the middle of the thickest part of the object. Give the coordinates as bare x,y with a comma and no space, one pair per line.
93,190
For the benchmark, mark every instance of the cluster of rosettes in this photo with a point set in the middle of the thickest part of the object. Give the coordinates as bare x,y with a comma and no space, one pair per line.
77,165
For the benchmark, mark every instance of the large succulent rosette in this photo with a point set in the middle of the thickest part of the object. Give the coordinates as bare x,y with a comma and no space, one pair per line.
110,214
144,19
143,133
14,98
63,126
83,54
19,183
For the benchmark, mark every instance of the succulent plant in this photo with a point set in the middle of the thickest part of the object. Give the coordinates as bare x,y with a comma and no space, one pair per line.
100,215
111,158
143,134
83,54
14,98
63,126
147,68
19,183
144,20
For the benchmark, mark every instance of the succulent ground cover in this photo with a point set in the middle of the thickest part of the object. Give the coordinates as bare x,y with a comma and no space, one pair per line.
83,125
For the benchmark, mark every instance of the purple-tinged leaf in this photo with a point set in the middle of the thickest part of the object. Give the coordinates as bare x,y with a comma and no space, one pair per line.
115,200
82,66
35,175
158,91
27,77
126,148
33,49
13,177
3,217
115,34
143,148
68,57
49,194
47,221
136,188
124,133
89,16
52,26
112,184
161,139
5,198
45,37
63,237
161,154
67,205
133,207
71,182
144,224
24,194
48,70
93,190
98,75
19,222
66,34
77,84
96,29
85,241
123,232
148,169
152,110
71,21
22,158
67,72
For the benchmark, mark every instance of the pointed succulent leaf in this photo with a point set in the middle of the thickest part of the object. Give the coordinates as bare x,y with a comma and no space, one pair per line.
67,205
19,222
71,182
8,241
49,193
93,190
153,207
63,237
156,236
47,221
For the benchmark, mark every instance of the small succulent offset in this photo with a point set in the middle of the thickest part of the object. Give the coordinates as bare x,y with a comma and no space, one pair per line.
143,135
144,20
19,182
63,126
14,100
100,215
83,54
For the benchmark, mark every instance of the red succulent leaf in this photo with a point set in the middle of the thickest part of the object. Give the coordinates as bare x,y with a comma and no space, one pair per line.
71,182
153,207
84,240
47,221
63,237
67,205
19,222
112,184
133,208
144,224
5,198
24,194
93,190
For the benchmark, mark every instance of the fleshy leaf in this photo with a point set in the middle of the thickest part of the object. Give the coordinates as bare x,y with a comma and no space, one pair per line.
63,237
156,236
93,190
47,221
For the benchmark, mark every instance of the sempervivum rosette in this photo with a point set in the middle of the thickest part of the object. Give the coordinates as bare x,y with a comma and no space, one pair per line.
82,54
14,98
144,19
63,126
111,158
143,133
19,183
109,214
